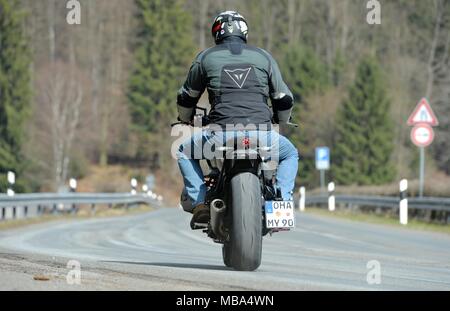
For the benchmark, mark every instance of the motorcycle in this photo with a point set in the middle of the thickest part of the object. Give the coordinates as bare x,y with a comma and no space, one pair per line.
245,203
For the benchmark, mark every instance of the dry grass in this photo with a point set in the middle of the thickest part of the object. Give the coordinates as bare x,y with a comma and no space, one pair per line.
437,184
379,219
112,178
116,178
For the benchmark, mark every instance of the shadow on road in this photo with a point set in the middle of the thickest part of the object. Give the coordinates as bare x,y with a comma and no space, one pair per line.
174,265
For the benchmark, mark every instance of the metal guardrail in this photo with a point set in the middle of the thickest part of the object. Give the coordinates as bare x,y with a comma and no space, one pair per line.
33,204
427,203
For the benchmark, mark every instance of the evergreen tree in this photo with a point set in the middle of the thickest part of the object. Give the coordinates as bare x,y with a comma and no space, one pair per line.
303,72
162,53
364,136
14,89
305,75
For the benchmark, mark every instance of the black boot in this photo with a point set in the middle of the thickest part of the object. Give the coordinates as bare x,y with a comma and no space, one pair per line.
201,216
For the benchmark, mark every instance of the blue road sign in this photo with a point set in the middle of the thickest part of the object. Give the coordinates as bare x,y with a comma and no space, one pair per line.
322,158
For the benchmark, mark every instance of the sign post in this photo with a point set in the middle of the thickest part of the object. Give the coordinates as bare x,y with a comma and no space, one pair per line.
422,171
422,134
150,182
322,164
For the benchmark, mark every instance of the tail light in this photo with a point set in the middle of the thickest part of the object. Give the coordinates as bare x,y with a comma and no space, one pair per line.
246,142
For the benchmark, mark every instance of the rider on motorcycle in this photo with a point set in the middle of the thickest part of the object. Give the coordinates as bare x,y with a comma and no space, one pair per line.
239,79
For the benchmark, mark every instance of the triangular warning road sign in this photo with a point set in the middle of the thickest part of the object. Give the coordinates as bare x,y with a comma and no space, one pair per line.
423,114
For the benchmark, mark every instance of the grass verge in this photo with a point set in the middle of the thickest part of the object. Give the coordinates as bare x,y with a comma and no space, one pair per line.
379,219
82,214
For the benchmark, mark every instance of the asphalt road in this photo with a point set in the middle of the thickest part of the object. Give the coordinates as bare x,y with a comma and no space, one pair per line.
158,251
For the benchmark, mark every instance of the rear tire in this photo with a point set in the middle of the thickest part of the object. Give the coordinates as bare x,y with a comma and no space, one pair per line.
245,246
226,255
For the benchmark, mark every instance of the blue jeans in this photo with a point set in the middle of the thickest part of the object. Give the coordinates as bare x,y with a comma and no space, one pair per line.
190,152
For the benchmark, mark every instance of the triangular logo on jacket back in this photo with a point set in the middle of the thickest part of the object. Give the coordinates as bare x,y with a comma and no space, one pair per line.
239,76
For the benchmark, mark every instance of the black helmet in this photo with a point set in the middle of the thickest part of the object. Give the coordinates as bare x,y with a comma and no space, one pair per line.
229,23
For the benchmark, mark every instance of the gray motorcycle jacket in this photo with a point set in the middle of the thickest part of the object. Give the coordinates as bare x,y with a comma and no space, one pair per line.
239,79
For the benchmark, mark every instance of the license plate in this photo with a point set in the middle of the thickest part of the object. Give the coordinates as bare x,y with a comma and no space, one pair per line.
280,214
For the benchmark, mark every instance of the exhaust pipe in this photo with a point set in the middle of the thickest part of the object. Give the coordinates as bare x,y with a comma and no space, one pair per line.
218,209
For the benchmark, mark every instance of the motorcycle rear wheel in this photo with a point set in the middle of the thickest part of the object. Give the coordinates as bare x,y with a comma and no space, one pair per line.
244,250
226,255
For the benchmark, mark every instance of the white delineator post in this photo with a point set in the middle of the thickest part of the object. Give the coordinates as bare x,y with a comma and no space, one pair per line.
11,180
403,202
331,198
73,185
301,200
144,188
134,184
73,188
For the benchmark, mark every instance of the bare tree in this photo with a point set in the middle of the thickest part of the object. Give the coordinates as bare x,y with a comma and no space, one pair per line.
431,66
331,35
95,45
58,107
204,6
294,12
51,16
344,17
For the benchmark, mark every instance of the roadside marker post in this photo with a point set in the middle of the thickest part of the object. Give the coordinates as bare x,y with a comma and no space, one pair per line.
331,197
73,185
403,211
145,188
301,200
11,181
11,177
134,185
73,188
